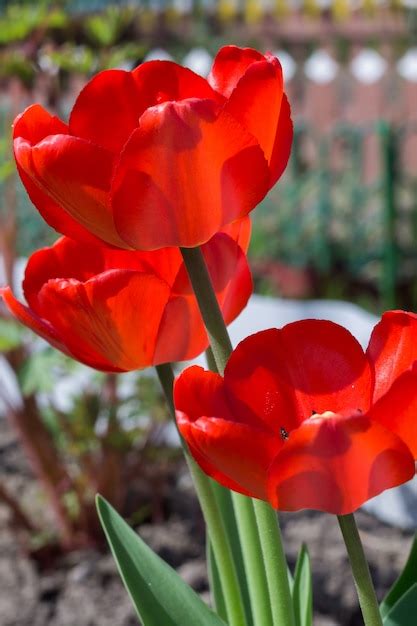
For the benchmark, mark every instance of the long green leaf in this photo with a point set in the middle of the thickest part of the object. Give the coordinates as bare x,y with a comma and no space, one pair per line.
302,592
215,585
224,501
404,612
406,579
159,595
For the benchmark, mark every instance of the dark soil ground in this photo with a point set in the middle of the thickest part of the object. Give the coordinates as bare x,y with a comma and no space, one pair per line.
83,588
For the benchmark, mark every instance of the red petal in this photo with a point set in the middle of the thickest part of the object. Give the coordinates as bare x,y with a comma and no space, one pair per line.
240,231
44,329
258,102
53,214
70,259
76,175
31,320
161,81
224,259
229,66
196,385
283,142
116,315
164,263
218,442
210,469
312,366
33,125
392,348
254,387
108,109
235,455
182,335
184,174
337,464
230,275
397,409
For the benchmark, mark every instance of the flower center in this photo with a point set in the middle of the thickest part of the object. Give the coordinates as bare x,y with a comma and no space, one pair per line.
324,415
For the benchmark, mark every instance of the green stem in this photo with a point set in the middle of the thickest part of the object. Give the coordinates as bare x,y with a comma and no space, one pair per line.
209,307
211,363
253,561
221,546
248,530
225,503
166,379
275,564
226,507
215,526
362,577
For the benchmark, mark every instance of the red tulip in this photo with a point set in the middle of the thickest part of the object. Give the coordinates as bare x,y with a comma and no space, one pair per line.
303,418
159,156
119,310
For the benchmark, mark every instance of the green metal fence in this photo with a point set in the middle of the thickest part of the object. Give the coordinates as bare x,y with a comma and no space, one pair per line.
347,209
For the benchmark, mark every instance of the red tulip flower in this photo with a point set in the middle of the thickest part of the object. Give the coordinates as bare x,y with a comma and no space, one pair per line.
119,310
303,418
159,156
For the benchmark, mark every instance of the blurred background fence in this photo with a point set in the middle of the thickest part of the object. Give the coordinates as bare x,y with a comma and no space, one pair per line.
343,220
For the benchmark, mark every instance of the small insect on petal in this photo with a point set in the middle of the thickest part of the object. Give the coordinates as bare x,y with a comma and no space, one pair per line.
284,434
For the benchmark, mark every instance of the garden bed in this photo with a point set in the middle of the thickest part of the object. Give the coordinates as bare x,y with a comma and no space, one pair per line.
83,588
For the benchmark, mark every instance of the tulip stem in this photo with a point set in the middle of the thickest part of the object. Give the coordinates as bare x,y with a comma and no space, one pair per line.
220,544
211,363
209,307
225,503
362,577
212,516
166,378
253,560
275,564
254,544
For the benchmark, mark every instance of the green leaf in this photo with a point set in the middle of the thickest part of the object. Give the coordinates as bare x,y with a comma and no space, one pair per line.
215,585
302,592
224,501
159,595
290,580
406,579
404,612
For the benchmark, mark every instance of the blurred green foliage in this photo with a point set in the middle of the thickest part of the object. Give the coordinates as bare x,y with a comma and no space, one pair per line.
326,216
11,334
105,29
19,21
139,408
105,432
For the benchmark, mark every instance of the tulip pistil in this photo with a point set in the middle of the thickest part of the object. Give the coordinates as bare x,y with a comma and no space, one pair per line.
324,415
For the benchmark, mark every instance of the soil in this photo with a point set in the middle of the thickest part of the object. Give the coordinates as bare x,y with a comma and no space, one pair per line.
83,588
